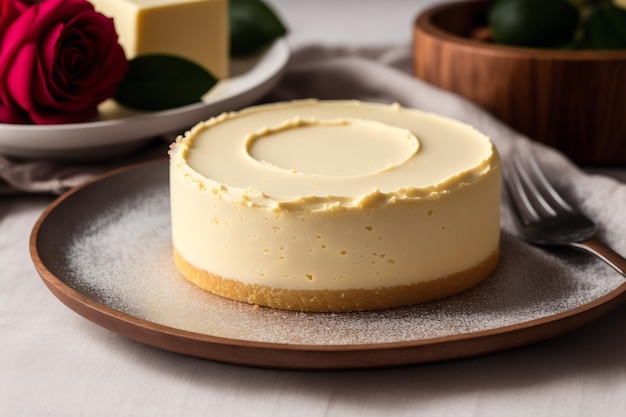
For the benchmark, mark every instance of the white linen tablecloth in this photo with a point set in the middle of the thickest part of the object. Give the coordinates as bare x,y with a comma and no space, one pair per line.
55,363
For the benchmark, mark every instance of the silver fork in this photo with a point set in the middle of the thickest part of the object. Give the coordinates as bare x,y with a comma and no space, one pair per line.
545,218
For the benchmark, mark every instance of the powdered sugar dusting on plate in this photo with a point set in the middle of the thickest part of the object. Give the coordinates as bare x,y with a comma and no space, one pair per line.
122,258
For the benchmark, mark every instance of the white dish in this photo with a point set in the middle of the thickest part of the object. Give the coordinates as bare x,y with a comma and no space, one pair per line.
118,131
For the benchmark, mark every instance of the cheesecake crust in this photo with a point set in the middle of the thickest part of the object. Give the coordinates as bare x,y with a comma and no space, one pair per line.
338,300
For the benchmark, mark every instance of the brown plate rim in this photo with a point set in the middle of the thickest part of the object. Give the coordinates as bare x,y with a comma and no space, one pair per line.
305,356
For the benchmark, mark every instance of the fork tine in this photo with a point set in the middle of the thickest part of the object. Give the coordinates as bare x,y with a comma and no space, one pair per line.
549,193
527,175
532,193
523,207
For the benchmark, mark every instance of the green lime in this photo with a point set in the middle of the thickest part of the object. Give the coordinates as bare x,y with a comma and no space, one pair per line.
605,28
533,23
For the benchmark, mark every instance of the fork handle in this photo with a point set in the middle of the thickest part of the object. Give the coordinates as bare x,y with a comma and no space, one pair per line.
608,255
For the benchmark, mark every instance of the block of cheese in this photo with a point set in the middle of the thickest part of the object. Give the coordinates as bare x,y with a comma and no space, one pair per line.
193,29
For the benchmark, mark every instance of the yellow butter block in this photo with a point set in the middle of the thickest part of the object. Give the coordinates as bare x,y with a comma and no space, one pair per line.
193,29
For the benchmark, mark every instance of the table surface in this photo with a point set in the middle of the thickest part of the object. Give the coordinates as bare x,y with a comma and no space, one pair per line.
55,363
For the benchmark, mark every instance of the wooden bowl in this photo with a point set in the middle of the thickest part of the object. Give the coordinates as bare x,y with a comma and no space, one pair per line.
574,101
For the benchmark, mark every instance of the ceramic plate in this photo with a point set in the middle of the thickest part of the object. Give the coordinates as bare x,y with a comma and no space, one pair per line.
119,130
104,250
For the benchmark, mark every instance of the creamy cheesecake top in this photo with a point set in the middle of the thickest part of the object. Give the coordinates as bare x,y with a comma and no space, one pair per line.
329,154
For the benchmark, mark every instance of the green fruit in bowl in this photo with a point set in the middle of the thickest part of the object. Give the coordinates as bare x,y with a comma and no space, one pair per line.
533,23
605,28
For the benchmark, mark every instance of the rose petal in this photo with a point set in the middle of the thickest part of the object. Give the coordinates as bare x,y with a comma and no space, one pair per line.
9,11
48,118
19,76
13,115
43,87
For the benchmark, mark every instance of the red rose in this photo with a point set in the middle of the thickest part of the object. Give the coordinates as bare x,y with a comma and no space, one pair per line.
59,59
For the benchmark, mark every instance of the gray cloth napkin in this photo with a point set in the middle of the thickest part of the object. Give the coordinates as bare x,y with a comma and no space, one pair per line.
51,177
378,75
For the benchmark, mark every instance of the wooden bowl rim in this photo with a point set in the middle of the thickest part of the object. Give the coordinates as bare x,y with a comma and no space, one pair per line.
424,24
